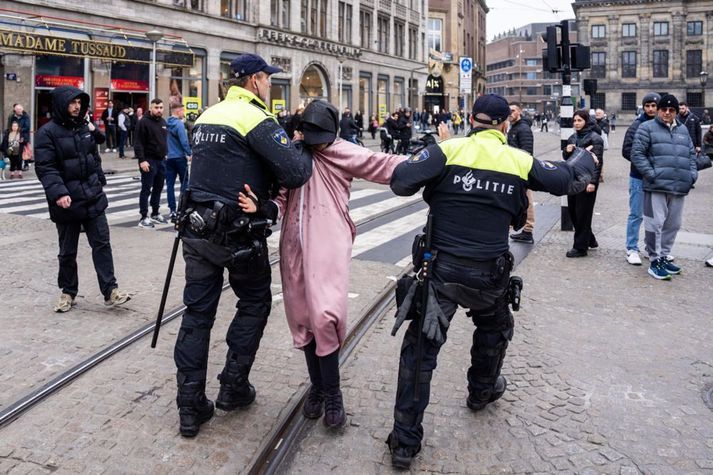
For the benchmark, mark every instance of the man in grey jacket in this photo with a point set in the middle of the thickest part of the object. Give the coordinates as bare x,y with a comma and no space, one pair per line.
663,152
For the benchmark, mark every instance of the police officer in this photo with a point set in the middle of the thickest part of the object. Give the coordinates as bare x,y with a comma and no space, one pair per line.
235,142
476,188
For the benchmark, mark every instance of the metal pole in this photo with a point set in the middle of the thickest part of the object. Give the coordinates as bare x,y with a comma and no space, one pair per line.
566,114
339,86
152,73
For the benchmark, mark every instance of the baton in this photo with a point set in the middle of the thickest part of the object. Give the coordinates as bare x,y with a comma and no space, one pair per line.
426,277
166,284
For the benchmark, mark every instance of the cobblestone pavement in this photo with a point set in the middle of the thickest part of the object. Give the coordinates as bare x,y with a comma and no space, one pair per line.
607,371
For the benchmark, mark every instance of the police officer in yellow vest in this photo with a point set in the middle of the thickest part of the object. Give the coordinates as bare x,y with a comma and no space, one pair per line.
235,142
475,187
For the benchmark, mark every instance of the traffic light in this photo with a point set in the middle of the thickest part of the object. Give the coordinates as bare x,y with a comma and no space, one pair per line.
579,57
551,60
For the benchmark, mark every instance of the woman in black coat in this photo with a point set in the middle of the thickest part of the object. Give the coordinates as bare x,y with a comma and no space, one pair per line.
581,205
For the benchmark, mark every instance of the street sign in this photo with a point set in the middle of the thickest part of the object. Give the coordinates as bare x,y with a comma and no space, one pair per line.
466,74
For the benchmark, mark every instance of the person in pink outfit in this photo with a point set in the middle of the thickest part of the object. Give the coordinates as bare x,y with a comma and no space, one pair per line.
315,250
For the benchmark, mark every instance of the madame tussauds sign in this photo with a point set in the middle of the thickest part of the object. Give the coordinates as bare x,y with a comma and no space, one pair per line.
44,44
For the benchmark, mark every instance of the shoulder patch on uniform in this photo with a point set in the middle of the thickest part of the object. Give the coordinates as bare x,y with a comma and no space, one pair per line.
547,165
280,137
421,156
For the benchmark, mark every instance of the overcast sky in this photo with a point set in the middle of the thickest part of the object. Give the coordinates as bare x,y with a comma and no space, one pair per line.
507,14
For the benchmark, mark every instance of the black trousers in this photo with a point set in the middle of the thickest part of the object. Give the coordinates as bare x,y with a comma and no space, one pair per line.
97,230
581,210
152,184
111,136
494,329
205,264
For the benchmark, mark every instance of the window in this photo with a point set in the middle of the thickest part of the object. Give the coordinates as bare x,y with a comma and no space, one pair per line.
531,75
694,99
660,28
382,30
628,101
532,62
628,64
547,89
345,23
598,101
628,30
599,65
694,63
412,42
532,90
365,28
313,17
660,63
235,9
694,28
304,12
280,13
435,33
599,31
399,38
322,18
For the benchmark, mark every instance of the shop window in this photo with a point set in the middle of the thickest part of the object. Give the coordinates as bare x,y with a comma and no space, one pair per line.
187,82
398,97
628,101
382,97
280,95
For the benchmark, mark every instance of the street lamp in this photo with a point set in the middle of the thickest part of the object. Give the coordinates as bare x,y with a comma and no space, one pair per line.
340,73
519,57
155,36
704,80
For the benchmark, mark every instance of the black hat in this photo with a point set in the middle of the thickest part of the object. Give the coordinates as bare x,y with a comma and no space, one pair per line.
492,105
247,64
650,97
668,100
319,123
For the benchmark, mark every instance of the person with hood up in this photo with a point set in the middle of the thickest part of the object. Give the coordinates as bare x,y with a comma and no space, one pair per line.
179,154
581,205
315,277
69,168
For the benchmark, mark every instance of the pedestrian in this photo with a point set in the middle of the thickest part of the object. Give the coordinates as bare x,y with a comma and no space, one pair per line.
636,190
20,116
482,178
73,180
317,313
603,124
373,126
612,122
110,117
706,119
150,150
359,120
692,123
405,126
544,122
179,154
457,121
123,123
425,116
581,205
236,141
131,128
663,153
12,149
520,136
347,127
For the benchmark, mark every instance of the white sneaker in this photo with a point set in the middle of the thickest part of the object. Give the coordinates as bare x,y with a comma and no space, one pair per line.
113,150
107,150
146,223
117,298
632,257
158,219
709,262
64,304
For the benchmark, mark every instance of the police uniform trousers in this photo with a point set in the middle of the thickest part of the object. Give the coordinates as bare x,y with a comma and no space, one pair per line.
250,280
481,286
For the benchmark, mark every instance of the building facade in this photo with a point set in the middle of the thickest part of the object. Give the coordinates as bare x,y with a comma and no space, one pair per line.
456,28
514,69
640,46
372,51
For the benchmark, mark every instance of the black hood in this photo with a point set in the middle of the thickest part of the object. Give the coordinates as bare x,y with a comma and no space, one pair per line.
61,97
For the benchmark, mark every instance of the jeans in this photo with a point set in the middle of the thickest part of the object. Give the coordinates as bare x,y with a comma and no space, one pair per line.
636,213
97,231
110,136
152,184
175,167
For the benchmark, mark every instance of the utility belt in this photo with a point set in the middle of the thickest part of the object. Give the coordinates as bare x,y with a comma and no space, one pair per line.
223,225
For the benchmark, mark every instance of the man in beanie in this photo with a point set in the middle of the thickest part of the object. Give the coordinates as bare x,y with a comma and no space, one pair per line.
235,142
664,155
476,189
70,170
636,191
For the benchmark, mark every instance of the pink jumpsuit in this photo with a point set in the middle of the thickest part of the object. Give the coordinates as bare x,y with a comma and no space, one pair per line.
316,242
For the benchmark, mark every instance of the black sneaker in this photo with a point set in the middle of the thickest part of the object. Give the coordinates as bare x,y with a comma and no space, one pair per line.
314,405
401,456
334,415
501,385
523,236
576,253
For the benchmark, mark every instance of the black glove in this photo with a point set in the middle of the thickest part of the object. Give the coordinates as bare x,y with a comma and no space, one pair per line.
407,303
434,318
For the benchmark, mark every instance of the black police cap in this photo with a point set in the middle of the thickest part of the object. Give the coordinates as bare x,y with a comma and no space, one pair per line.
492,105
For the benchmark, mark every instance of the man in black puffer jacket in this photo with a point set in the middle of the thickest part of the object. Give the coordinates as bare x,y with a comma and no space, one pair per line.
520,136
69,168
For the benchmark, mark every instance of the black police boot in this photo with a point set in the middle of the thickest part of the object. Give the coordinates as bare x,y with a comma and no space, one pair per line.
477,402
235,389
194,408
401,456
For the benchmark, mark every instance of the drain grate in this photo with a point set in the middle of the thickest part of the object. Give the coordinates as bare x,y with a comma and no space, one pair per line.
707,395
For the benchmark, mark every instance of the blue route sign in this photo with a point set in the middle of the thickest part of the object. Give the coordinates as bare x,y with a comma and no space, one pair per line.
466,64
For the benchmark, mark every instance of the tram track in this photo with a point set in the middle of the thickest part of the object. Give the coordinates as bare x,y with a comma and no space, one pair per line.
12,411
